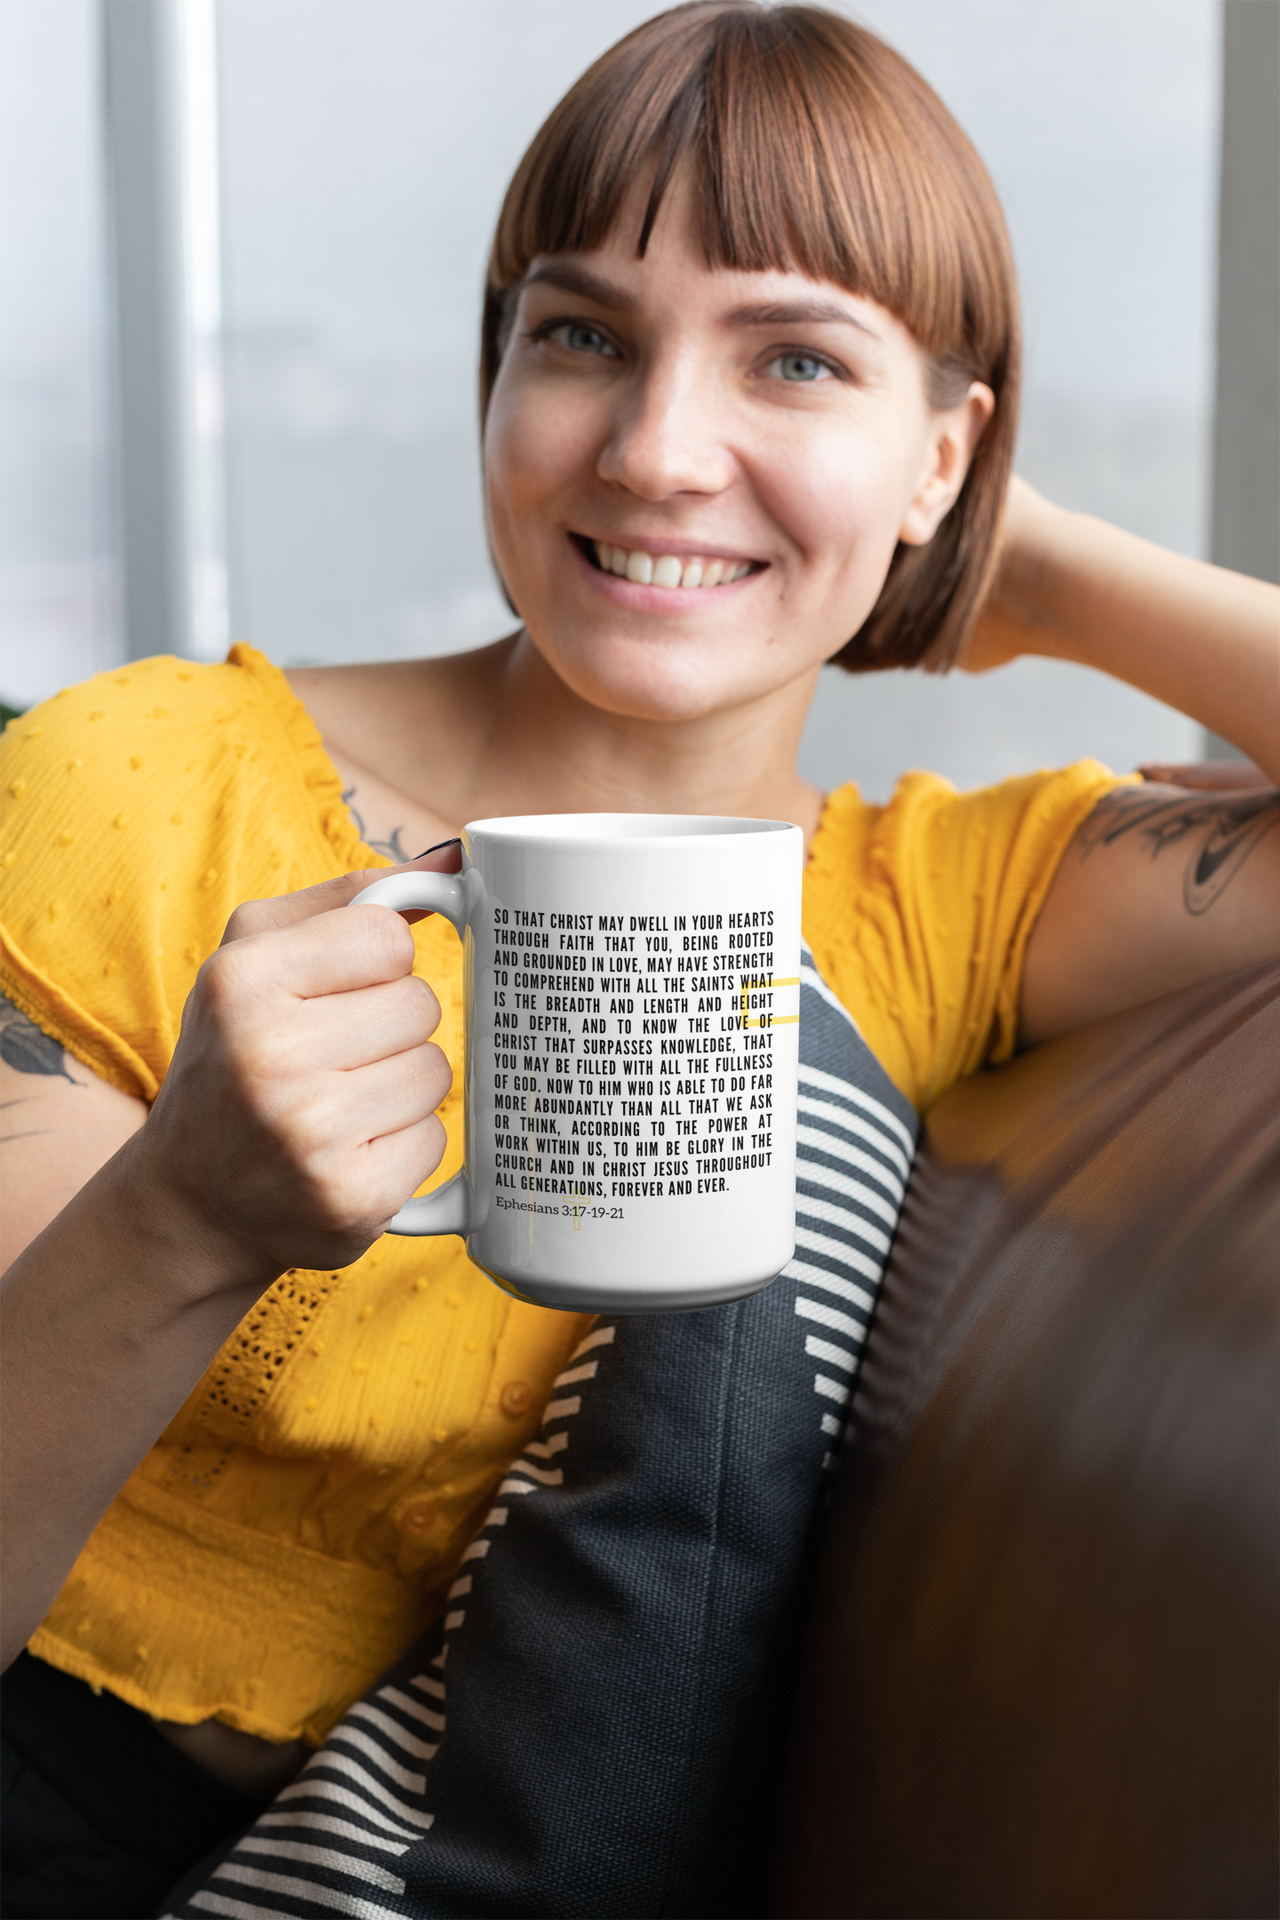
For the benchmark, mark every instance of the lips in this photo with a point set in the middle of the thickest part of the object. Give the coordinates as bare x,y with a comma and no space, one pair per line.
664,569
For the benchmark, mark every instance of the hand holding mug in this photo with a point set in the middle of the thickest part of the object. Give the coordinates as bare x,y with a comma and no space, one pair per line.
632,1006
300,1105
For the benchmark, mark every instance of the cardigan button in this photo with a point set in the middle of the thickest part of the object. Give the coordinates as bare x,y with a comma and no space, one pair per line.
418,1516
516,1398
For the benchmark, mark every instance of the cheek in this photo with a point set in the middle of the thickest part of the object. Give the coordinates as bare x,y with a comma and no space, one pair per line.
535,446
840,498
512,457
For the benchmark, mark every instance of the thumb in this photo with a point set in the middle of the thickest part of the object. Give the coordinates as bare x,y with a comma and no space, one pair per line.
289,909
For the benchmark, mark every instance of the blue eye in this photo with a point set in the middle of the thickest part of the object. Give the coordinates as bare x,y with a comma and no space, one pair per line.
581,339
800,367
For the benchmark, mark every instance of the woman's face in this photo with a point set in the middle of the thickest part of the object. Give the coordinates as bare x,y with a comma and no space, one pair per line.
697,477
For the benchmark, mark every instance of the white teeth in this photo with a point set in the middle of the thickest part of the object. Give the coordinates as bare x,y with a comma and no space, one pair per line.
668,570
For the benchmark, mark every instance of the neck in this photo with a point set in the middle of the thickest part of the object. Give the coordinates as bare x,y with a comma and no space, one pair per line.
527,743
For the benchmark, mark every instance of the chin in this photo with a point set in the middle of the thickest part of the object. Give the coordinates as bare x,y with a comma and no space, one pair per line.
664,681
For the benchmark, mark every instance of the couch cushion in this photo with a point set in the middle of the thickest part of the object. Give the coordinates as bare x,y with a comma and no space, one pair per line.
1040,1673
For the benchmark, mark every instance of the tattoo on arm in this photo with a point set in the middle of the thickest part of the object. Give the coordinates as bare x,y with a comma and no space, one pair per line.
1223,829
25,1048
391,848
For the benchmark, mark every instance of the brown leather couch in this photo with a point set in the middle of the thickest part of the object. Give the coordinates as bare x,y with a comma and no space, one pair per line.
1040,1676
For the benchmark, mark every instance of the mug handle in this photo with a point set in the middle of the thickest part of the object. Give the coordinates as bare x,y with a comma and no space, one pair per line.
451,1208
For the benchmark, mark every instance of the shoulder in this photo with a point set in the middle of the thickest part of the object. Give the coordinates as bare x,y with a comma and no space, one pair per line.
138,733
974,866
160,759
927,802
920,911
146,694
142,807
1006,839
929,835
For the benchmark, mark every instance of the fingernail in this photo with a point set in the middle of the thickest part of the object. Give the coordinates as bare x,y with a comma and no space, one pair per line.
455,842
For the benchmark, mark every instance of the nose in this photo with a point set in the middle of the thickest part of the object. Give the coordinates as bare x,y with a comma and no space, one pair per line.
669,435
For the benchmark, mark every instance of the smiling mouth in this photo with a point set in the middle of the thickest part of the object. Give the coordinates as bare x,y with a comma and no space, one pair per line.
662,569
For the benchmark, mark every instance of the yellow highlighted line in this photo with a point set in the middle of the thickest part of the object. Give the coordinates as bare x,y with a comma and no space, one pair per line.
753,983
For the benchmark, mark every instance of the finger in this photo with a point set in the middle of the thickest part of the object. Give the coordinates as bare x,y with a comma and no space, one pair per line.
343,1031
369,1185
329,953
399,1163
389,1095
290,909
344,1112
1209,776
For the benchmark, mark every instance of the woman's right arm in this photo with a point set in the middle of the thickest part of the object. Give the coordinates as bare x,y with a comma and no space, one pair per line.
296,1117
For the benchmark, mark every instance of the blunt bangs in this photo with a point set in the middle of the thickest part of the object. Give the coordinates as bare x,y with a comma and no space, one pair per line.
813,148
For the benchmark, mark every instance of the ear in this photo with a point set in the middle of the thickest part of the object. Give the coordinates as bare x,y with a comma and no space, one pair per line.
952,443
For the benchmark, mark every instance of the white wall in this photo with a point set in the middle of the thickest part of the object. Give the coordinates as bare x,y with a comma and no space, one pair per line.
58,619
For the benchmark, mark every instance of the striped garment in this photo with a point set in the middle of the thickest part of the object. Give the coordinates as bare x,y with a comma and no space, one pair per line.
616,1660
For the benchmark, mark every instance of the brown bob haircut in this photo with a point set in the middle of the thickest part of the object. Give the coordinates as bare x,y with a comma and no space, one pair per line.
814,148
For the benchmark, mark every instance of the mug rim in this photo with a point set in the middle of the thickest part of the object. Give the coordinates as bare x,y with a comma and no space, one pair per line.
625,829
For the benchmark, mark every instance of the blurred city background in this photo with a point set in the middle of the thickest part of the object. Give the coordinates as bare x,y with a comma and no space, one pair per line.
344,161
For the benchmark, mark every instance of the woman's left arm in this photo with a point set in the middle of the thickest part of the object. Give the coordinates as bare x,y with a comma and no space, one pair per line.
1161,887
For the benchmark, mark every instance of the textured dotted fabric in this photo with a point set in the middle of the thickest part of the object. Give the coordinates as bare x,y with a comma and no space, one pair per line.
296,1527
918,913
298,1524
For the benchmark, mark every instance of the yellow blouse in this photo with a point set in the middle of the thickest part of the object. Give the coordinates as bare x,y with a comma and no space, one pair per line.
299,1522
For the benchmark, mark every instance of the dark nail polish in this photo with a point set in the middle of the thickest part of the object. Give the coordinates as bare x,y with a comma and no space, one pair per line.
455,842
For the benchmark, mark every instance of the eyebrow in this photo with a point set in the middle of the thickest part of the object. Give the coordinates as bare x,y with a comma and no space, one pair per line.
791,313
785,313
592,286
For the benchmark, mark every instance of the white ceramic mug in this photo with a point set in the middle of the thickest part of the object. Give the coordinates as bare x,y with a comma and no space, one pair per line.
632,1009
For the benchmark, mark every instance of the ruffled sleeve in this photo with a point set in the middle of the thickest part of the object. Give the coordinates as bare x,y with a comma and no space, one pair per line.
919,912
141,808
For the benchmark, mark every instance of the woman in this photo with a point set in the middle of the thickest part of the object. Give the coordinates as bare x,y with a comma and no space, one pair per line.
750,368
